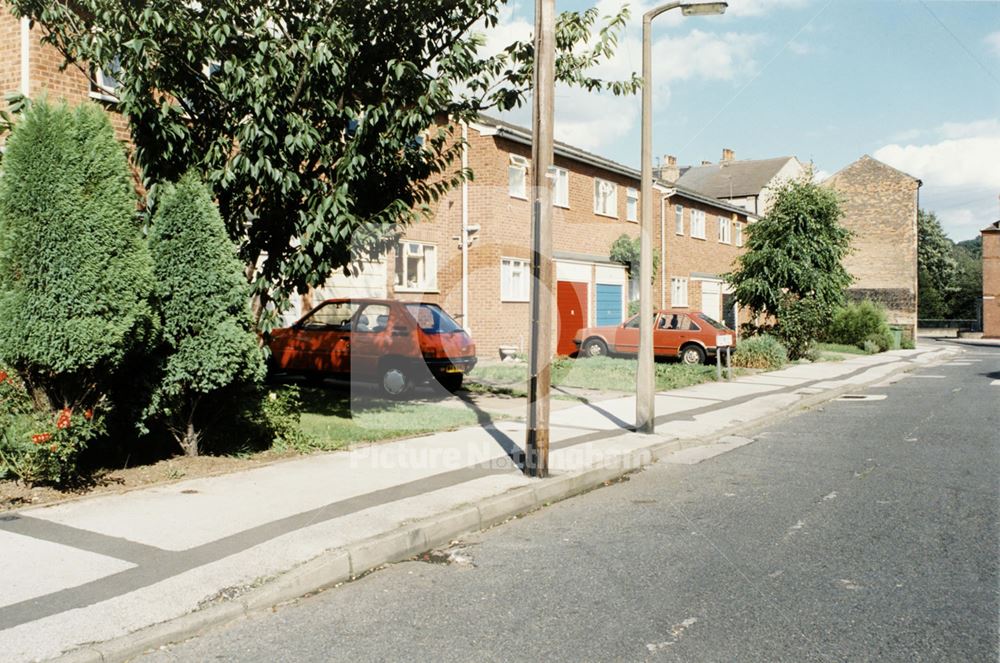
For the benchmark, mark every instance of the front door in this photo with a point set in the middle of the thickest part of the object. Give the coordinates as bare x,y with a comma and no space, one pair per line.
571,301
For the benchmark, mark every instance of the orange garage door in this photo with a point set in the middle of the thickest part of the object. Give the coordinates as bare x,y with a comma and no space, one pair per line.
571,300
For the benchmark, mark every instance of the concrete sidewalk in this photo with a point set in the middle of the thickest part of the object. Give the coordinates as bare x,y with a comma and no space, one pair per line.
104,578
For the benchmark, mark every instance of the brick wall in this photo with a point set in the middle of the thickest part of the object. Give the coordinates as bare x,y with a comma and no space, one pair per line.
991,281
880,208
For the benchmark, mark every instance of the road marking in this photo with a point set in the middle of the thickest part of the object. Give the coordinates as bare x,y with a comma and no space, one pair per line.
995,383
827,498
960,363
863,397
928,376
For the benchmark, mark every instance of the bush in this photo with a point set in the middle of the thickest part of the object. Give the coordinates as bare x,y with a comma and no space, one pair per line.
800,322
908,344
75,275
762,351
855,323
208,338
870,347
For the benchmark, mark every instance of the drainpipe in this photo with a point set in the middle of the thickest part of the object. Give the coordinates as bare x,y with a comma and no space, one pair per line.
465,228
663,252
25,54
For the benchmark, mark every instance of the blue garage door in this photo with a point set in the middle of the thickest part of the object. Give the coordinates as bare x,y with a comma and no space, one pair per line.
609,304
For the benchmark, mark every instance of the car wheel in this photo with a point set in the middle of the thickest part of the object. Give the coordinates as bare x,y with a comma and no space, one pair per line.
692,355
595,347
451,381
395,381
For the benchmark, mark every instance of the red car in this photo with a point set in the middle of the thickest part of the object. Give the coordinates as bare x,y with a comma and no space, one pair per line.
688,335
391,343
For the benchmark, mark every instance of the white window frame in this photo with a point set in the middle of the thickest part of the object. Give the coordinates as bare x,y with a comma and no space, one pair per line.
698,224
632,204
98,90
508,291
678,292
679,219
560,188
406,249
739,234
605,198
518,168
725,230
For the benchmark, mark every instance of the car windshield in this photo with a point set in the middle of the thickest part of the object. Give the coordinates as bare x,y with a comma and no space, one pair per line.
713,322
432,319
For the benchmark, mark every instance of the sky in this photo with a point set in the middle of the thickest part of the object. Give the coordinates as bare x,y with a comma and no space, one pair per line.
913,83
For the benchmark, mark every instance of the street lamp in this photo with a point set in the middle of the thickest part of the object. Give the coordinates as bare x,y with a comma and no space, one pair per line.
644,401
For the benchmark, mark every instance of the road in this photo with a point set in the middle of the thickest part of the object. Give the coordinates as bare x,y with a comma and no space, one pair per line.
866,529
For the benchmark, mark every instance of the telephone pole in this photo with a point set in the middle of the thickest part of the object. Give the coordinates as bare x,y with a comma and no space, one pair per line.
536,462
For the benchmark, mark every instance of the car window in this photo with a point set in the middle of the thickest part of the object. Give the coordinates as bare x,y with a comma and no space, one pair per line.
432,319
633,322
685,323
711,321
372,318
668,321
332,316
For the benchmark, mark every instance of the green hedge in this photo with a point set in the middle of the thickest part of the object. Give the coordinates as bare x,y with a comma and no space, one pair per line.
762,351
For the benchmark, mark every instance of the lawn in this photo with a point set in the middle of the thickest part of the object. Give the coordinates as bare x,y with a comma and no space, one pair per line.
334,420
598,373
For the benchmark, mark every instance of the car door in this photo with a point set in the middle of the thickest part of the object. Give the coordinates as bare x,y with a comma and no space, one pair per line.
687,330
321,340
626,337
371,338
666,337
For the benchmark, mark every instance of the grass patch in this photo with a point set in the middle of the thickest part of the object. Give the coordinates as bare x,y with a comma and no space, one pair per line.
333,420
841,348
598,373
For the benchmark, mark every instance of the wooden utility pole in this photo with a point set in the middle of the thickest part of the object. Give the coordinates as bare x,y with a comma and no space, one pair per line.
536,462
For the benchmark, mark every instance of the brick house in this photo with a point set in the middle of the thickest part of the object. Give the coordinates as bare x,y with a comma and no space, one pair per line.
596,201
991,280
749,183
880,207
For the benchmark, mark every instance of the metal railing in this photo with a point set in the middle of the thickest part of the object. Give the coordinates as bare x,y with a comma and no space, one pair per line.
961,325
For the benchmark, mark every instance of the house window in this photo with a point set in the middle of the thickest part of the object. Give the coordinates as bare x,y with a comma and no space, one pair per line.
605,198
514,280
698,223
678,292
560,193
725,230
739,234
631,204
416,267
679,219
517,177
105,83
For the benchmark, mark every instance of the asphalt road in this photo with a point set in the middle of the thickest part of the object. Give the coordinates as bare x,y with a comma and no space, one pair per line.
862,530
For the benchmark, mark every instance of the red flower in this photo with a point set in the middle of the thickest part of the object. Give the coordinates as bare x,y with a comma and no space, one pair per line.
3,376
41,438
64,419
52,448
88,414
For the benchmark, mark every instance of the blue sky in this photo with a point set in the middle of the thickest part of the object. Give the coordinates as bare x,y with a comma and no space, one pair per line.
915,84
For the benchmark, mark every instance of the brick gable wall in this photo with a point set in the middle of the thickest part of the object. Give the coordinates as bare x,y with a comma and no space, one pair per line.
991,283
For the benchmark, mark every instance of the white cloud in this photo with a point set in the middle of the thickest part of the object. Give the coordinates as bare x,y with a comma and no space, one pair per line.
992,42
758,7
960,171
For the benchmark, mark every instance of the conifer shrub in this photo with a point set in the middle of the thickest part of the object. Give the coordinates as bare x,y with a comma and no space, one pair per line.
209,349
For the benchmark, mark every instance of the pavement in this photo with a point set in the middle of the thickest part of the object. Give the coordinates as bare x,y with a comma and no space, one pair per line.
108,577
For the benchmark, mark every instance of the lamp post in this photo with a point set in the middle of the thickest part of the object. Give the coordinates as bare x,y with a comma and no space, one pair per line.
644,401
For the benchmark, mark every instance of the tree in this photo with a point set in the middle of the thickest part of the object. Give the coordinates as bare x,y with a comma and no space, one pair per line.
308,119
966,299
208,338
793,265
937,267
625,251
75,275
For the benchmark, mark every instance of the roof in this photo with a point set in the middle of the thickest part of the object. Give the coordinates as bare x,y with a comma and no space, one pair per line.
992,228
522,135
869,160
731,179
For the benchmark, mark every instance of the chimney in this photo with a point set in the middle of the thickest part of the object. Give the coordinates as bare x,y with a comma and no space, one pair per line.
669,172
706,163
728,155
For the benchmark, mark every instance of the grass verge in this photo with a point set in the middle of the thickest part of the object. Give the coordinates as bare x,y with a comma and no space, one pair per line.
598,373
841,348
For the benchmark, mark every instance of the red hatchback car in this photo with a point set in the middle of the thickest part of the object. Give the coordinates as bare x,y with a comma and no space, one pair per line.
688,335
391,343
